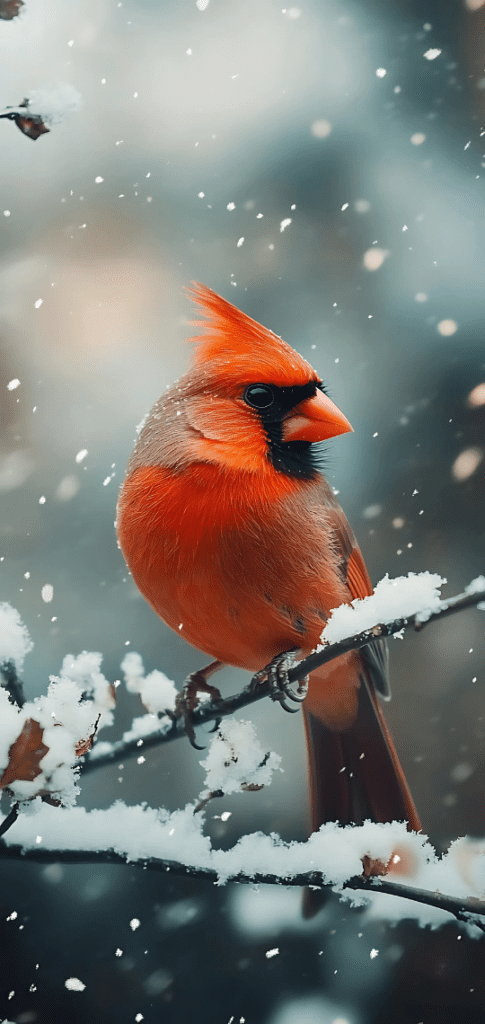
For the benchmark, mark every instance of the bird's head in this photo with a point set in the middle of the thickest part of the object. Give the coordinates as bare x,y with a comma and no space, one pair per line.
248,402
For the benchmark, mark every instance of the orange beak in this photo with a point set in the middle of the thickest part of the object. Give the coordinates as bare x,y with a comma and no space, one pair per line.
315,419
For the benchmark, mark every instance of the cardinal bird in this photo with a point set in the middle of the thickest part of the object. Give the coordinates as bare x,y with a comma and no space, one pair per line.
237,542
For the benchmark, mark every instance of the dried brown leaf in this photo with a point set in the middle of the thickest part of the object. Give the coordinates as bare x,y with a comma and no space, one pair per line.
372,866
24,755
84,745
31,125
10,9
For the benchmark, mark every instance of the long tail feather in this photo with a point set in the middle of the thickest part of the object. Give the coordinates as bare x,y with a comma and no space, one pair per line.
355,775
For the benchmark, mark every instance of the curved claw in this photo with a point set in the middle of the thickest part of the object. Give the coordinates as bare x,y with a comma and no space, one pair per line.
190,733
187,700
286,707
300,694
189,729
280,688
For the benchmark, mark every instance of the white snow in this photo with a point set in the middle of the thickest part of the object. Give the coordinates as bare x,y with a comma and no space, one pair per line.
15,640
267,910
400,598
85,670
67,488
145,725
236,759
12,384
74,985
432,54
157,692
52,102
313,1010
66,721
133,670
475,585
140,832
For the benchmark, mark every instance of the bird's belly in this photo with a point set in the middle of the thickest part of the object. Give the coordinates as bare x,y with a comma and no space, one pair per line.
240,584
222,619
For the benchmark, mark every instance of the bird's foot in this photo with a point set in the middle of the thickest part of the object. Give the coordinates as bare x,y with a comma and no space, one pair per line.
187,700
276,673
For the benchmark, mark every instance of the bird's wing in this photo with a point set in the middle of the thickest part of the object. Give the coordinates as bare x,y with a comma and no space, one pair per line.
375,657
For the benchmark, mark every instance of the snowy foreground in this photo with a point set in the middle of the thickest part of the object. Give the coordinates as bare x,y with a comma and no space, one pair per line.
41,743
141,832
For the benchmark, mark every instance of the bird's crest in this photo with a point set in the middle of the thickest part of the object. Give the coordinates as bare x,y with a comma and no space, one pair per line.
242,349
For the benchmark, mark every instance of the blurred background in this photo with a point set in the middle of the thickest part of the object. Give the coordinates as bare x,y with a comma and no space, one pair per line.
322,166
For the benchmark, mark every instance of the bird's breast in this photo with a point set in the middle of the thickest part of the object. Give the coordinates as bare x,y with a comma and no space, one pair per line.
242,568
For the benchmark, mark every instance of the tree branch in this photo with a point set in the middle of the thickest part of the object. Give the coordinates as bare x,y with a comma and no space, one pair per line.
10,819
11,682
470,910
122,750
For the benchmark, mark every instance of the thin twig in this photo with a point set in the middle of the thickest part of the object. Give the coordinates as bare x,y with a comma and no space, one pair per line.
469,909
215,794
11,683
122,750
10,819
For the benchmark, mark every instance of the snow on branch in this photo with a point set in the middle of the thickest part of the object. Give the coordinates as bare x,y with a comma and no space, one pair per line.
43,741
331,858
15,641
10,9
408,601
43,108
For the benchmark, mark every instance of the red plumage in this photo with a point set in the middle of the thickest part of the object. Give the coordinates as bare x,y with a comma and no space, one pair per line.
243,552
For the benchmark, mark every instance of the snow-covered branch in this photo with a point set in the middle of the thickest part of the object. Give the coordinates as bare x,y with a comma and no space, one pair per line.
469,910
396,605
43,107
42,743
330,859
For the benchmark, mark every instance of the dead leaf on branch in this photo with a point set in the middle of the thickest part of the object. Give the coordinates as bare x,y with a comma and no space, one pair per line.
374,867
27,751
84,745
31,125
10,9
401,862
24,755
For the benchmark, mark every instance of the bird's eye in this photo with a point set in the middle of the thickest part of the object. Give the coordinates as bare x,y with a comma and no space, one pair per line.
259,396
